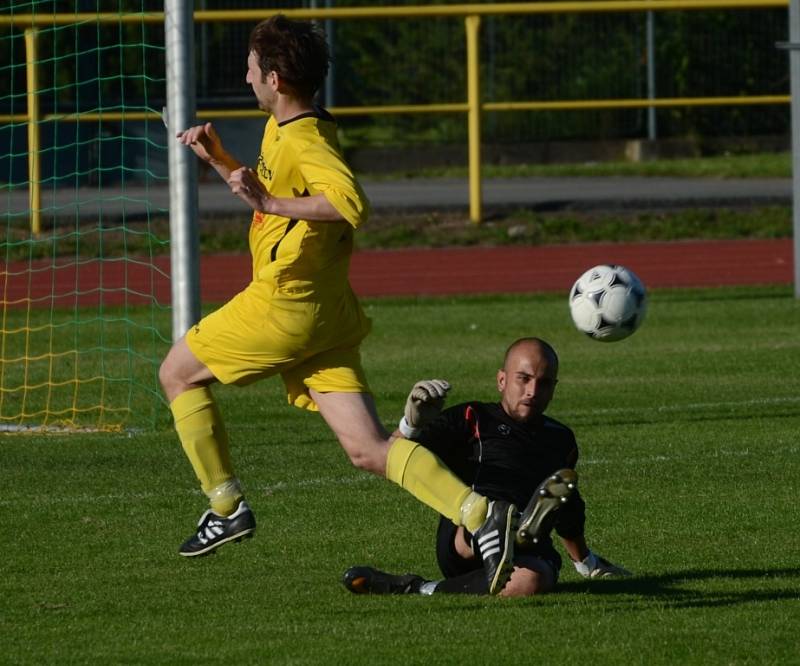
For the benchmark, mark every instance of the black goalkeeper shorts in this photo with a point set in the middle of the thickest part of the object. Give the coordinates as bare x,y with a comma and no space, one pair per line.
452,564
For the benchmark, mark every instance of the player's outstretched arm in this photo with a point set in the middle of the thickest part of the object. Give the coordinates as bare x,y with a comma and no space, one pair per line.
423,405
206,144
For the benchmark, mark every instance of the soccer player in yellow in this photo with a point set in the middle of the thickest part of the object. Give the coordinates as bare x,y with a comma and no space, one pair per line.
299,317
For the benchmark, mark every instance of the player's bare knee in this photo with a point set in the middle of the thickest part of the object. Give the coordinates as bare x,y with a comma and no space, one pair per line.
367,461
170,376
180,371
166,375
371,457
527,583
463,549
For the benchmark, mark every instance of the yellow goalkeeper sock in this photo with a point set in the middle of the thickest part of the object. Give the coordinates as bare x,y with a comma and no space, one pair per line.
425,476
205,442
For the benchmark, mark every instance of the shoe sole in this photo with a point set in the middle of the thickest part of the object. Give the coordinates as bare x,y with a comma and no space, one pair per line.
554,492
506,567
211,548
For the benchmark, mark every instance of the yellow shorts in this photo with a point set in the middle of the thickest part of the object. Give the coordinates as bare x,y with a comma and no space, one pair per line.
262,332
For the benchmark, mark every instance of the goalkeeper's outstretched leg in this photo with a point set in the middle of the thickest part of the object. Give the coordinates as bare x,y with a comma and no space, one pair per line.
354,420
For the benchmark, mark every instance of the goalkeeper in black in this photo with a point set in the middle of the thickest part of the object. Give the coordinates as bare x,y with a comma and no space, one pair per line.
510,451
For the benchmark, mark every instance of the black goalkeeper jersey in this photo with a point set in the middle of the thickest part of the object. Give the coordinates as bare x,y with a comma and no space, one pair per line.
501,458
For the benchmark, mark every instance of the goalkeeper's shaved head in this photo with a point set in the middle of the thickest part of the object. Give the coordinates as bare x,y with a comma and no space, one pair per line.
544,348
527,379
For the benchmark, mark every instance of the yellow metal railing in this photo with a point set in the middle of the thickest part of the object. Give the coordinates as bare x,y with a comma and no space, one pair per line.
473,106
34,150
411,11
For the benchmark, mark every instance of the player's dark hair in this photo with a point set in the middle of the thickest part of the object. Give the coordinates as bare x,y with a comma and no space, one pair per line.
546,347
296,50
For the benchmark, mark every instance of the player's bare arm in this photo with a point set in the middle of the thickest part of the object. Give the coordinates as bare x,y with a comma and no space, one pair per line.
315,208
245,184
206,144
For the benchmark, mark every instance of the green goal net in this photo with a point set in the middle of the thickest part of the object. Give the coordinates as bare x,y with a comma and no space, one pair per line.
84,282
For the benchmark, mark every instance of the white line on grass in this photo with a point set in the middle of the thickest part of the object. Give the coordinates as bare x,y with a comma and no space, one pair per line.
313,483
692,406
268,489
710,455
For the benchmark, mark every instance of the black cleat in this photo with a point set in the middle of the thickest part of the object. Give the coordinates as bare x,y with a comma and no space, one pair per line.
366,580
495,544
214,530
554,491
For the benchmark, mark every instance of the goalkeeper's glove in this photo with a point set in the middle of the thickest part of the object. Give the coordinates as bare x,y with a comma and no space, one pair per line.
594,566
423,405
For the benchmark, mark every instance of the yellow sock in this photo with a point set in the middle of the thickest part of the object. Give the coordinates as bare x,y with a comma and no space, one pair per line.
425,476
203,437
473,511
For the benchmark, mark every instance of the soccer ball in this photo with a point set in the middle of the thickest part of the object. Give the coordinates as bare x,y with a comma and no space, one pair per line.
608,303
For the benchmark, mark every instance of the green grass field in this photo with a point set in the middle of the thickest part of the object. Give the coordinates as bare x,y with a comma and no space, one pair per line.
689,467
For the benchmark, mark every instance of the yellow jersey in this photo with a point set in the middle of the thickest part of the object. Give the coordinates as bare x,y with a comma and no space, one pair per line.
301,157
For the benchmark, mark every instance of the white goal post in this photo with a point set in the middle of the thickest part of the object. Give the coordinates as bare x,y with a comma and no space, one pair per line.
184,248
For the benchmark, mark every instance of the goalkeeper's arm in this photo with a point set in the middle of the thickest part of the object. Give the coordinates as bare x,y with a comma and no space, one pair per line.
423,405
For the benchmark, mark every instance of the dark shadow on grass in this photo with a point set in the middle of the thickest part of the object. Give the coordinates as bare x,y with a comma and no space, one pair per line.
667,590
670,588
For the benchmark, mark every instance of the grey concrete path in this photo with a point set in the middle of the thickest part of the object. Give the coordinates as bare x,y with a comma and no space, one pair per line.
544,194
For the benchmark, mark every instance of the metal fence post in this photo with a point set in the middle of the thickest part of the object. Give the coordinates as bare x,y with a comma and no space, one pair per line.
651,76
794,75
473,24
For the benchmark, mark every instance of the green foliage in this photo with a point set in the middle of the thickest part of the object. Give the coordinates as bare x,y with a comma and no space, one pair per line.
729,165
545,57
563,57
523,227
84,68
728,53
566,57
689,462
88,65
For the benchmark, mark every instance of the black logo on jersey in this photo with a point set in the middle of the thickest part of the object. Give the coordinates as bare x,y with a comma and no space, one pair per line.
263,170
503,429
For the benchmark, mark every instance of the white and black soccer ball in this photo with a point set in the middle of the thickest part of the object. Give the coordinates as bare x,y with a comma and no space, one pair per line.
608,303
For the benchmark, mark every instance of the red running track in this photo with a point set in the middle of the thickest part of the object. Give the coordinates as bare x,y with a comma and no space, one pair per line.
555,268
417,272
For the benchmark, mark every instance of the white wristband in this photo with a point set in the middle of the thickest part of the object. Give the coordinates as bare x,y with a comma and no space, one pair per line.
406,430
